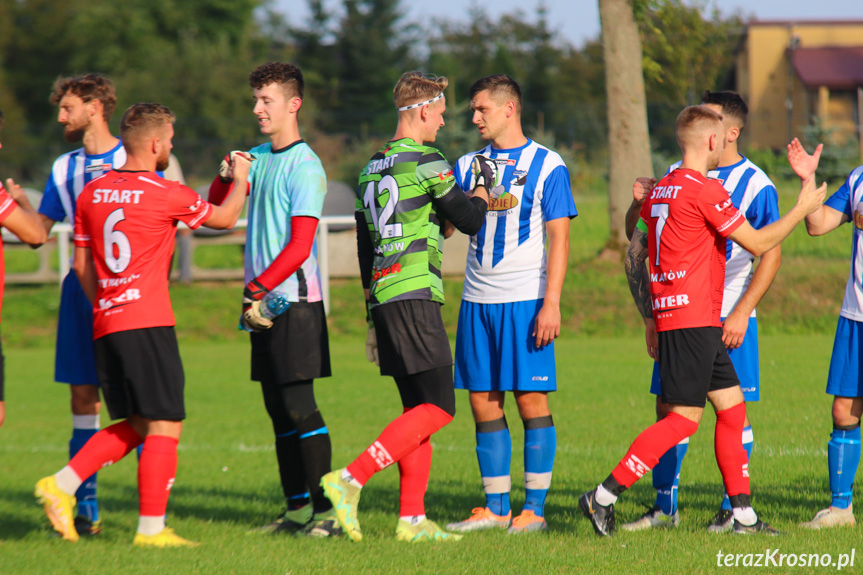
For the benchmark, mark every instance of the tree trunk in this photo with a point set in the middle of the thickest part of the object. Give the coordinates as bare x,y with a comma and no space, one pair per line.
628,140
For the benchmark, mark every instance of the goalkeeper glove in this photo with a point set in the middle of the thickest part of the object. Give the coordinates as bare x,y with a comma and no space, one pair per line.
252,318
226,168
484,172
372,346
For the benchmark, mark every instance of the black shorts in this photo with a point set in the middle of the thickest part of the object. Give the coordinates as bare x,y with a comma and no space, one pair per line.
141,373
693,362
411,337
296,348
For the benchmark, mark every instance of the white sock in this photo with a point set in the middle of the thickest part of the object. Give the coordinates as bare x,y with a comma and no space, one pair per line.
351,479
85,421
605,497
68,481
150,525
412,519
745,515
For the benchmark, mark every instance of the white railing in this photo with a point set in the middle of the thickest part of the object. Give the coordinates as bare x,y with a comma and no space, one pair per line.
63,231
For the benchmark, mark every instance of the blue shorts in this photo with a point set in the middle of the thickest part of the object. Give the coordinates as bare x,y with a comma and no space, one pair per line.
845,367
495,351
75,361
745,360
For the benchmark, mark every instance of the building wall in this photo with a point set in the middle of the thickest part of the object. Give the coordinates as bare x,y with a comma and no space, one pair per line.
767,82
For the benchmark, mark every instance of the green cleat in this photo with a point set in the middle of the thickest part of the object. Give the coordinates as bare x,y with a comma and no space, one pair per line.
345,499
425,530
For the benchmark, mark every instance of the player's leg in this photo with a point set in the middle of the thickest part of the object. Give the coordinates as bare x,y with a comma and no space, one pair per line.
477,370
843,450
540,444
75,365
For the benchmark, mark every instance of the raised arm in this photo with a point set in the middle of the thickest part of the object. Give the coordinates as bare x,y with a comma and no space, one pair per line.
640,189
224,217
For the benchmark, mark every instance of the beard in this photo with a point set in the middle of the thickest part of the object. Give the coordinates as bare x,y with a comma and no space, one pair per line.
162,163
74,134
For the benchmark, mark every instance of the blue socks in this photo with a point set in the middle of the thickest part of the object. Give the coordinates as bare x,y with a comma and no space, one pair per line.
85,427
494,452
666,476
540,444
843,458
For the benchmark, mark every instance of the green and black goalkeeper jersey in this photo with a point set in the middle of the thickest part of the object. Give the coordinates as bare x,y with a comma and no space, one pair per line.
395,193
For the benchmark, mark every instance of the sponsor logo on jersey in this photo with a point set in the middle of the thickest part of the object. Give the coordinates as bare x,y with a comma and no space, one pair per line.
97,166
519,177
668,276
107,196
380,455
376,166
383,272
114,282
665,192
671,302
128,296
444,175
724,205
505,202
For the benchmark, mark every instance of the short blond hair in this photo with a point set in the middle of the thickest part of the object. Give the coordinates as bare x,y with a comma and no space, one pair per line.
143,120
415,87
694,121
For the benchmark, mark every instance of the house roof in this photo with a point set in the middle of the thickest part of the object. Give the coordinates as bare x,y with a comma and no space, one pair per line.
836,68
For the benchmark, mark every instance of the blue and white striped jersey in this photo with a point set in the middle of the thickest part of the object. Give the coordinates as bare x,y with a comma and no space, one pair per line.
848,199
754,195
69,174
506,261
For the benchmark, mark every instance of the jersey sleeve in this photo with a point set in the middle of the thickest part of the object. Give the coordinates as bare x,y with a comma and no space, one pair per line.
308,188
435,174
187,206
716,206
80,234
462,172
641,225
841,198
51,206
557,199
764,208
7,204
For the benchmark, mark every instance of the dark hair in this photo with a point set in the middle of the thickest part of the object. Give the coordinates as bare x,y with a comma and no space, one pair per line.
498,85
288,76
141,119
731,104
87,87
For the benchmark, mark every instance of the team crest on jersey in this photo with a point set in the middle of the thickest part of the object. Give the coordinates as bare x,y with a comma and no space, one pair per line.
519,177
858,216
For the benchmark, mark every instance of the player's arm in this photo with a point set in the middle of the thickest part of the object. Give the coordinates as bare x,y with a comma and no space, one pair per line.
85,269
24,221
757,242
638,277
735,325
640,190
804,164
547,325
224,216
366,257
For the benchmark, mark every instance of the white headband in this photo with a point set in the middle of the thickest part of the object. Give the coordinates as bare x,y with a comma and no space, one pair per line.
420,104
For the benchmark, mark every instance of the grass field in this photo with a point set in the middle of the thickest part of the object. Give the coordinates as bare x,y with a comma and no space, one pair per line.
227,481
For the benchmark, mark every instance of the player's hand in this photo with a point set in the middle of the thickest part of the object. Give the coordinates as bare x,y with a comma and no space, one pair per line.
14,190
734,329
547,325
803,164
372,346
253,293
811,198
641,189
652,339
484,172
238,159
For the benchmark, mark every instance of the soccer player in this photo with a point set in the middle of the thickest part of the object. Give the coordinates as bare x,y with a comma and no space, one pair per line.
754,195
19,217
86,104
510,309
289,352
844,380
689,217
404,195
124,237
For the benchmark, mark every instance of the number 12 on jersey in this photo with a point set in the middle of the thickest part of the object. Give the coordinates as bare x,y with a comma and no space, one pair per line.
379,220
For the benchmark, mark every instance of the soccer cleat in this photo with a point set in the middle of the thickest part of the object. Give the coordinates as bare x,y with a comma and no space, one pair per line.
653,518
601,516
322,525
290,521
528,522
58,507
345,499
722,522
425,530
164,538
481,520
87,527
759,527
831,517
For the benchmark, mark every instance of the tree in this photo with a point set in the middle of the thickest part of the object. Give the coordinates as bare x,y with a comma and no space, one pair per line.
628,139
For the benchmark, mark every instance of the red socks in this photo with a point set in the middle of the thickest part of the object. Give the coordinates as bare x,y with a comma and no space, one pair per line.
730,455
399,439
105,448
156,471
651,444
414,470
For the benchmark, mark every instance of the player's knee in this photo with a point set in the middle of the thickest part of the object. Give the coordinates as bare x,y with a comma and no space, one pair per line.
844,414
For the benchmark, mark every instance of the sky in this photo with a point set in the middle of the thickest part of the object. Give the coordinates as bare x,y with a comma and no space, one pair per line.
577,21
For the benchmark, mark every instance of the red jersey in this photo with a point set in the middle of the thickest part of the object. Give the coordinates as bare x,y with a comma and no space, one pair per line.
7,206
128,220
688,217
